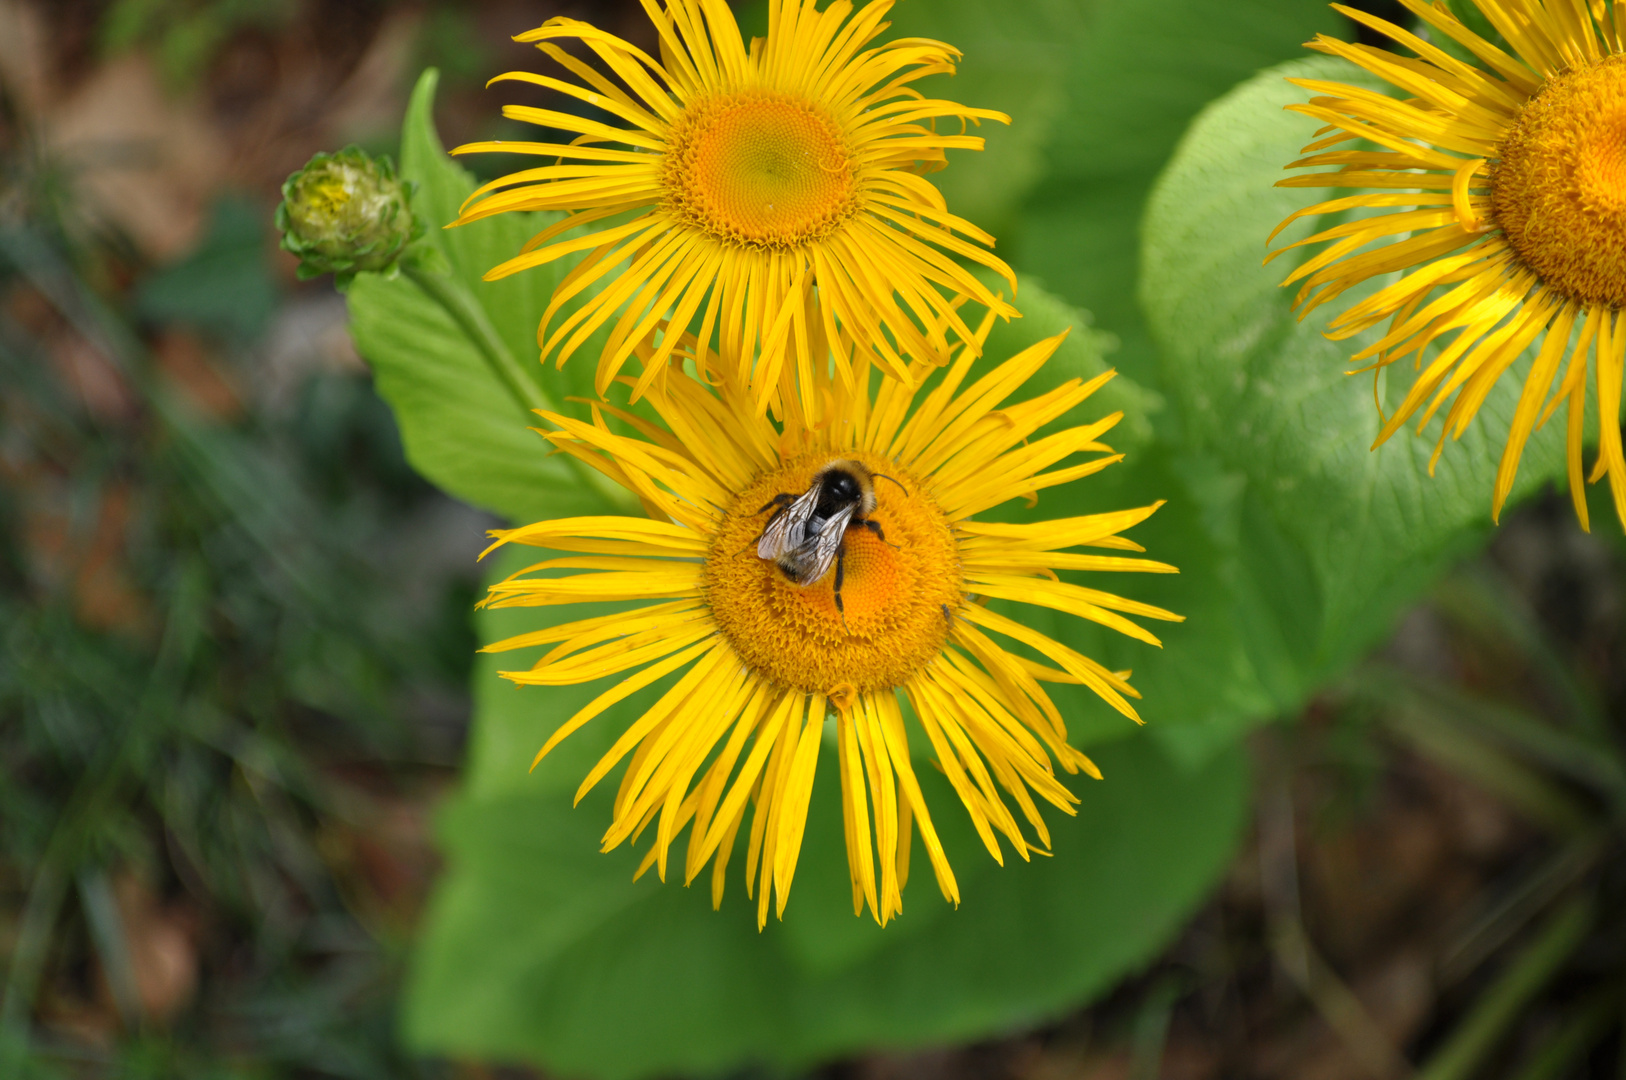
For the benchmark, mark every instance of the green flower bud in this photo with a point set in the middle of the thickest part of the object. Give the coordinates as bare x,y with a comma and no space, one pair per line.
346,213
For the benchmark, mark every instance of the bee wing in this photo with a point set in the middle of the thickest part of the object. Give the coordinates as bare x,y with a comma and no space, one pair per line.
787,529
821,549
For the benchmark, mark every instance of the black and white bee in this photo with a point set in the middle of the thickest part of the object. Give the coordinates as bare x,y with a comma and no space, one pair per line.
806,532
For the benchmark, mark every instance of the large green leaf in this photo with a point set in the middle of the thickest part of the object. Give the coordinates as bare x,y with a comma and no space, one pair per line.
461,427
1330,538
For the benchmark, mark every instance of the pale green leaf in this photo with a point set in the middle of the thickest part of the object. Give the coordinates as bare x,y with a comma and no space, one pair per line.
461,427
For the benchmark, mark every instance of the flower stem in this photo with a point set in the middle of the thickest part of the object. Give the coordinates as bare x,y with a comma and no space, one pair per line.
471,318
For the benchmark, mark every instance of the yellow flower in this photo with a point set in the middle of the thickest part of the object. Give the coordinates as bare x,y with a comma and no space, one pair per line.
778,185
1506,186
759,660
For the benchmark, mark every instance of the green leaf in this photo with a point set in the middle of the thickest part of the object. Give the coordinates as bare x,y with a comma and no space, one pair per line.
1084,354
1136,77
1212,679
461,427
1331,538
1016,61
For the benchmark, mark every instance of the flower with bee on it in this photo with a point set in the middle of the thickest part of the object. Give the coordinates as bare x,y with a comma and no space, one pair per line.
747,618
772,194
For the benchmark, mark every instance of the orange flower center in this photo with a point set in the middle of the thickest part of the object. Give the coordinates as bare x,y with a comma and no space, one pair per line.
1559,191
897,589
758,168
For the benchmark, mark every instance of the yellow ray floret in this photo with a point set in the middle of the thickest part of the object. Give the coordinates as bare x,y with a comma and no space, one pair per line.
755,665
1501,198
771,195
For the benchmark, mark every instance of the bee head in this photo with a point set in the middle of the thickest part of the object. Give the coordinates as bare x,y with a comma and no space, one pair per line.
841,483
848,482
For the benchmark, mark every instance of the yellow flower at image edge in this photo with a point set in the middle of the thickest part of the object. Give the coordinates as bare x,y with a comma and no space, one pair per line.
1519,229
776,191
763,659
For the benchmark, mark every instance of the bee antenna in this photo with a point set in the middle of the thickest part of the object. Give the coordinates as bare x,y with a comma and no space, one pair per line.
883,476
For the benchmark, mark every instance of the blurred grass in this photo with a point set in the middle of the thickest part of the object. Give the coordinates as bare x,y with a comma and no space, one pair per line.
233,665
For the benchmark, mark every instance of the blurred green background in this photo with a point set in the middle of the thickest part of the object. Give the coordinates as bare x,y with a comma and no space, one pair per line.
246,830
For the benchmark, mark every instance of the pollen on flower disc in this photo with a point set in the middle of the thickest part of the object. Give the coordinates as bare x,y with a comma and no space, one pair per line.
895,590
1559,190
760,168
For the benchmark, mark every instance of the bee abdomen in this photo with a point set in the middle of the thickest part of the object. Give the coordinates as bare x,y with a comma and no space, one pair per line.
793,571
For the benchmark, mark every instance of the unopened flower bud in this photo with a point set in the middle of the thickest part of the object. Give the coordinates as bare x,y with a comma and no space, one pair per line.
346,213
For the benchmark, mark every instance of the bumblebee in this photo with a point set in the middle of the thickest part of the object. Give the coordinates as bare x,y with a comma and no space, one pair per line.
806,532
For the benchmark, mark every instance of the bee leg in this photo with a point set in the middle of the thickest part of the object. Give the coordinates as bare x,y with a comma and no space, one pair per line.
875,527
841,574
781,500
